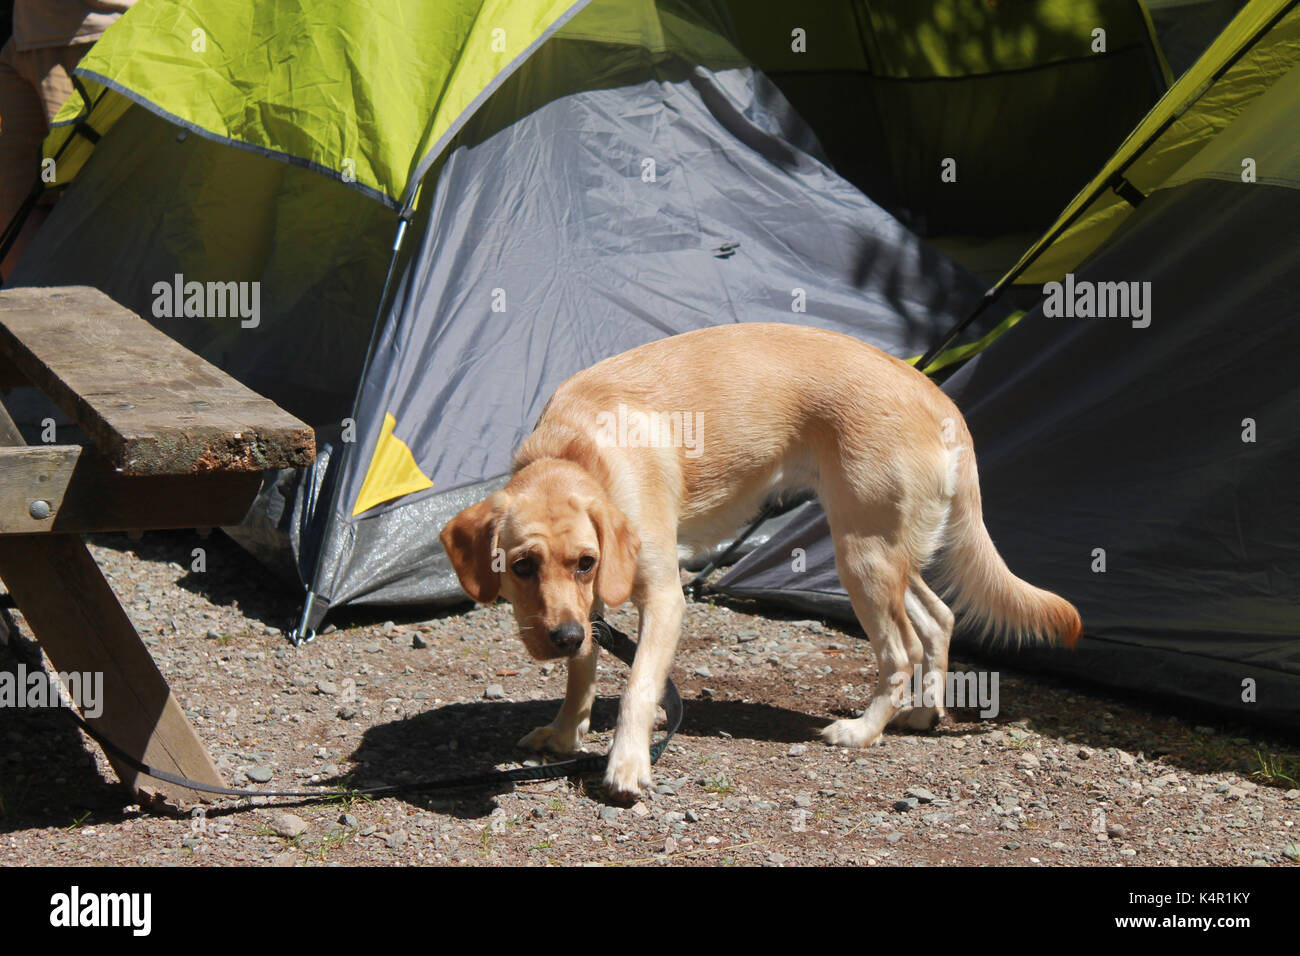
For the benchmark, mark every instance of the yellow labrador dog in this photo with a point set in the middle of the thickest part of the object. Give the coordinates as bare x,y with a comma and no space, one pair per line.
683,440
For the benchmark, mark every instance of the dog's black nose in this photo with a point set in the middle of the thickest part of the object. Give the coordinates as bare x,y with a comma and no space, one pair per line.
568,637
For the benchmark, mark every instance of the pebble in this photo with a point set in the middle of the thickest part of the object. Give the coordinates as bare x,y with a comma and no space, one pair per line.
419,641
703,671
906,804
1116,831
259,774
1013,845
921,794
395,840
803,800
347,712
348,820
494,692
288,825
327,687
797,750
609,814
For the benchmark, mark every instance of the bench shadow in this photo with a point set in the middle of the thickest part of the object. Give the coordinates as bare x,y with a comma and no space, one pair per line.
48,777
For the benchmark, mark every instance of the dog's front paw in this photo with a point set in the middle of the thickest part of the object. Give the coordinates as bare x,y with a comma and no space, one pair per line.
850,733
555,739
917,718
627,773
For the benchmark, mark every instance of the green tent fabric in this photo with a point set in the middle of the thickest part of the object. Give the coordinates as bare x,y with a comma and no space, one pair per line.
1255,51
1007,92
360,92
1179,140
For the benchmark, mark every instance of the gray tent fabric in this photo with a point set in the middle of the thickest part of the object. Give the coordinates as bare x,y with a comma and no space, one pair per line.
555,214
1093,435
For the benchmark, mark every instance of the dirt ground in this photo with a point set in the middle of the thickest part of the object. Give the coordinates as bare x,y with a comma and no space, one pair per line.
1058,777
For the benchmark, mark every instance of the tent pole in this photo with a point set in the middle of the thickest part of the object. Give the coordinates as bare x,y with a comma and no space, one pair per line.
935,351
303,633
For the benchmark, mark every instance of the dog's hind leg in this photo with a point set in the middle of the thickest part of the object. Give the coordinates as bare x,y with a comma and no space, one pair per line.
875,573
933,623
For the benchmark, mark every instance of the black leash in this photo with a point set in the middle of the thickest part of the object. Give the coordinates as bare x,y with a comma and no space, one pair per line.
612,640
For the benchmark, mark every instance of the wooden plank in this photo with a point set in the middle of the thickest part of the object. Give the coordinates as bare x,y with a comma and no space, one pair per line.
151,406
34,479
66,489
78,621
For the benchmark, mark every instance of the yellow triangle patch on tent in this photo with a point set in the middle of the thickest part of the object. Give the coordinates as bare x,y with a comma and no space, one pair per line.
392,473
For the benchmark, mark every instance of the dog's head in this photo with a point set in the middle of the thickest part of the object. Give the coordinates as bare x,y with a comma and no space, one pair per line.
550,543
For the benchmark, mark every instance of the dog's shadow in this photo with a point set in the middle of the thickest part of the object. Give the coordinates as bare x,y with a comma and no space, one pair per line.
460,740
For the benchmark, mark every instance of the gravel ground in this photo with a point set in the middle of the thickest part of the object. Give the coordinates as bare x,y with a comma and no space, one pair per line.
1059,777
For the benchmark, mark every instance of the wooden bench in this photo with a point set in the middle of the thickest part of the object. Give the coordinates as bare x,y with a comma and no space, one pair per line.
177,444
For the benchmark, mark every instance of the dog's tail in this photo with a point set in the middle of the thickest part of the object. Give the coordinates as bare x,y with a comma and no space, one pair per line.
977,582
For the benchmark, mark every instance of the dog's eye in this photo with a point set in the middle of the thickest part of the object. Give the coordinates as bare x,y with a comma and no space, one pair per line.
523,568
585,564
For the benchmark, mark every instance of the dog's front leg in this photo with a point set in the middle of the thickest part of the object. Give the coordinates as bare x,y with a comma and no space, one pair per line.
564,734
628,770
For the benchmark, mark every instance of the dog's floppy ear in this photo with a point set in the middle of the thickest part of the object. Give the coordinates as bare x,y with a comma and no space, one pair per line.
619,547
470,540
